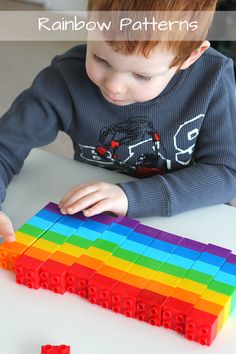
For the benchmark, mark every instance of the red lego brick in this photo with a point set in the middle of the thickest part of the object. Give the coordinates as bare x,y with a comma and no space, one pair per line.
77,279
27,271
100,290
54,349
201,327
124,299
53,276
149,307
174,314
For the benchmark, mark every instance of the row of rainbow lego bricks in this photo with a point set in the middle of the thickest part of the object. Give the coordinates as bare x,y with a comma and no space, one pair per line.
131,268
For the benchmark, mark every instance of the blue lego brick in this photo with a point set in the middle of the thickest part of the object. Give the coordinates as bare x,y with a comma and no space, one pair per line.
70,221
180,261
111,236
228,268
87,233
211,259
187,253
139,238
205,268
40,223
134,246
226,278
62,229
163,246
156,254
95,226
120,229
48,215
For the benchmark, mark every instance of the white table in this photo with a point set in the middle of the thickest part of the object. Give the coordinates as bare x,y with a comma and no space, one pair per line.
32,318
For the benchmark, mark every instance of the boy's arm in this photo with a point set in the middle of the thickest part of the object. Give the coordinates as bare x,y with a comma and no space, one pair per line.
33,120
211,179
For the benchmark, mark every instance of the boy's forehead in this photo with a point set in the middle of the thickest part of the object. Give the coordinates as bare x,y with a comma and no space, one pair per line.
158,61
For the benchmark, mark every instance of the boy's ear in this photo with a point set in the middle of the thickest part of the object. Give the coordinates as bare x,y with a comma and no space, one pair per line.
195,55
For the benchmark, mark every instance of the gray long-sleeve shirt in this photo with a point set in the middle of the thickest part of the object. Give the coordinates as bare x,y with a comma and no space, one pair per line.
182,144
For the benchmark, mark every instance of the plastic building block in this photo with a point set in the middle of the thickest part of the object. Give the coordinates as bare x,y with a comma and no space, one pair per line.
130,268
201,327
53,349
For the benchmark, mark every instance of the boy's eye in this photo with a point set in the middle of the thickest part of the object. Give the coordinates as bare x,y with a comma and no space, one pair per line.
142,78
100,60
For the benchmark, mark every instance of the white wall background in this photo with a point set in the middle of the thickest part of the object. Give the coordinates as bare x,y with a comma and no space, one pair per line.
60,5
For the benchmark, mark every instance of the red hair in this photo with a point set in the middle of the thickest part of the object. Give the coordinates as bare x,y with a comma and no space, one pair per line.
182,49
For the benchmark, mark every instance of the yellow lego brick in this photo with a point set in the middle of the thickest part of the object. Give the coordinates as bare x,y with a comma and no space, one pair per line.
24,238
215,297
118,263
166,279
142,272
192,286
97,253
71,249
46,245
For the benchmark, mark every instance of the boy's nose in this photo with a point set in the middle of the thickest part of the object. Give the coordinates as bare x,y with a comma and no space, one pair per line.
114,85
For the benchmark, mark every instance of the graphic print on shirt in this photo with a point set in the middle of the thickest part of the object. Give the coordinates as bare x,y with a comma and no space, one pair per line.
133,146
185,140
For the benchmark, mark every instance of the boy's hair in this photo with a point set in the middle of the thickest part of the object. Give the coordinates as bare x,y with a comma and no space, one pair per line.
181,48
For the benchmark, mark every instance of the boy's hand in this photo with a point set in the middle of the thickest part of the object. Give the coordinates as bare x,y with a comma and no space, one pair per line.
94,198
6,228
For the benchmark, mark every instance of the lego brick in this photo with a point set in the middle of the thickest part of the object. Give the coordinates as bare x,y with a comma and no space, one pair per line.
53,207
53,276
124,299
53,349
149,307
201,327
79,273
27,271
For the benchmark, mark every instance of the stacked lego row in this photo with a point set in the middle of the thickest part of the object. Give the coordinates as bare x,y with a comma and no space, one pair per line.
133,269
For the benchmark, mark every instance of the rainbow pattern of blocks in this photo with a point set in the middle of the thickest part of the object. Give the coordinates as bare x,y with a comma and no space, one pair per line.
130,268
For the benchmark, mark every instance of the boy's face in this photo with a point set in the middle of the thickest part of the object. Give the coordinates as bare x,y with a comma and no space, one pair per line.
126,79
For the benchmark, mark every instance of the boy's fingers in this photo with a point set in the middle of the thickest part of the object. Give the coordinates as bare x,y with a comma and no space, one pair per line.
84,203
75,195
6,228
100,207
10,238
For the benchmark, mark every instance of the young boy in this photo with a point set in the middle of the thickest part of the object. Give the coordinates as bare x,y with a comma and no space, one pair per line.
166,112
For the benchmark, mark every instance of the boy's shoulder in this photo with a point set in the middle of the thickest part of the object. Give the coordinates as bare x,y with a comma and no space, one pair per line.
211,57
76,53
211,52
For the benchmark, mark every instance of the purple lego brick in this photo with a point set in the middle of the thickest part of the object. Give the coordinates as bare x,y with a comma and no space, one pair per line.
53,208
217,251
132,223
104,219
147,230
232,259
171,238
193,245
79,216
